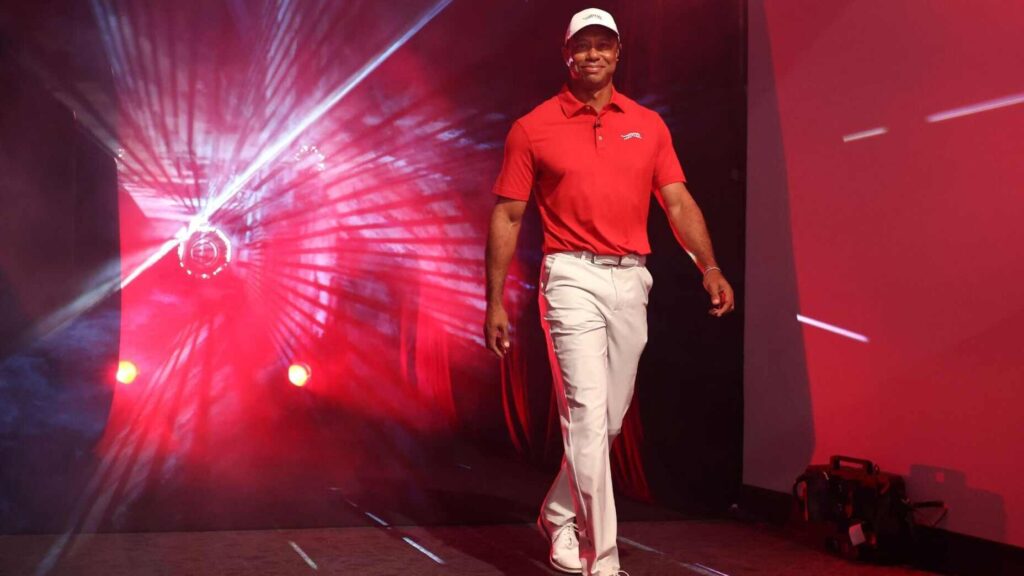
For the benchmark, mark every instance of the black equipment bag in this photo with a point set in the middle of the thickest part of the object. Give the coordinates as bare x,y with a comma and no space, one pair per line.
867,511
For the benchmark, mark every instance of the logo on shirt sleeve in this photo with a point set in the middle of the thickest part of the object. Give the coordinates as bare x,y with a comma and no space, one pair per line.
632,135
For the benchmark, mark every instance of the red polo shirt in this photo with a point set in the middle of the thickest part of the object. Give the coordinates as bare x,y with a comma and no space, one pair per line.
592,173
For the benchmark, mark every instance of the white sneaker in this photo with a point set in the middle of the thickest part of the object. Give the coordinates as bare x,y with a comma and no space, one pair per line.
565,548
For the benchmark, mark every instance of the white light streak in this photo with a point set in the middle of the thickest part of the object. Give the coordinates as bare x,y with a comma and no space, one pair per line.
272,152
1003,102
303,554
53,554
101,285
636,544
866,134
426,552
693,567
832,328
376,518
153,258
318,111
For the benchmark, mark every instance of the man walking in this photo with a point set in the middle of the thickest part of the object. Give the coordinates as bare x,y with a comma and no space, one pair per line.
591,158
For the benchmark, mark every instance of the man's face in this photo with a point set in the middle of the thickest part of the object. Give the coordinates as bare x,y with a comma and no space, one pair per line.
592,53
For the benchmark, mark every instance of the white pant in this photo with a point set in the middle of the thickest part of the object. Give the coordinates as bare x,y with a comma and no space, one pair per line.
595,319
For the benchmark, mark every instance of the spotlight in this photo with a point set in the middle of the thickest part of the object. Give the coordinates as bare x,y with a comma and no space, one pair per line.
205,252
299,374
127,372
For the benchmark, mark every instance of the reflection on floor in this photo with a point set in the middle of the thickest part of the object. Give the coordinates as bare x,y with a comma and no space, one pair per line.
686,548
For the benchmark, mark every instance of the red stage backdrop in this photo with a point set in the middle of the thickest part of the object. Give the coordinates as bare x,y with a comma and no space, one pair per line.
303,190
884,213
310,185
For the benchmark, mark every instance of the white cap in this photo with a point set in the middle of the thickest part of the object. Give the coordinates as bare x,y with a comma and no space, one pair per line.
590,17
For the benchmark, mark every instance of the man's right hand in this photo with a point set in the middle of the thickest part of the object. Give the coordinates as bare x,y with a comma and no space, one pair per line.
501,245
496,330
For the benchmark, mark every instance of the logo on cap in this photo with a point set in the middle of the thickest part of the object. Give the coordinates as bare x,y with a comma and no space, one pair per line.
585,18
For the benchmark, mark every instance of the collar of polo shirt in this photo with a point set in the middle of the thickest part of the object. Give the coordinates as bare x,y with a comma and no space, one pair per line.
571,106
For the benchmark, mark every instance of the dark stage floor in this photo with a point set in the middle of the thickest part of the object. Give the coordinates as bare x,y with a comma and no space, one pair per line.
708,548
352,494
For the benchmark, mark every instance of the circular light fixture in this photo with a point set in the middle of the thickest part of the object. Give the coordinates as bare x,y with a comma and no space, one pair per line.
309,157
299,374
205,253
127,372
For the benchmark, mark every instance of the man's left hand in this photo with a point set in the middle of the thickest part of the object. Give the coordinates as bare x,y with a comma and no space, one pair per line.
722,299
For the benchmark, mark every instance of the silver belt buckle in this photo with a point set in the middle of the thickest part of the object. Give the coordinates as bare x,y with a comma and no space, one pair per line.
607,260
625,260
631,260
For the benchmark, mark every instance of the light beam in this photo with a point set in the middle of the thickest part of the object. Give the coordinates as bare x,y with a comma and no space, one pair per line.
283,143
832,328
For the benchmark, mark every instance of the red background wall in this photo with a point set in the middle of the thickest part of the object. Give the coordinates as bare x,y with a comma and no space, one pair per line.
910,238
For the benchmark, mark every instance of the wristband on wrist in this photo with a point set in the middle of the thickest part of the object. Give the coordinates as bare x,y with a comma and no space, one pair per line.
709,269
